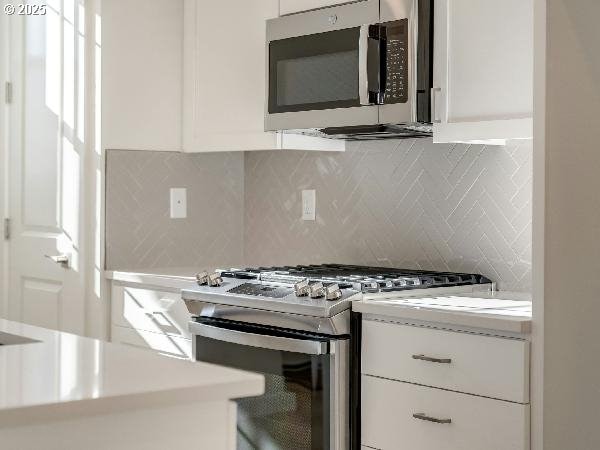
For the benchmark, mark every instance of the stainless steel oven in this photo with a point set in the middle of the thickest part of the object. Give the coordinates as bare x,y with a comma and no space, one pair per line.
360,67
306,403
294,324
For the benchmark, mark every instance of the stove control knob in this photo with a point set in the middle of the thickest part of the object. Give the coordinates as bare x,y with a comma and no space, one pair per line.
316,290
214,279
301,288
202,278
333,292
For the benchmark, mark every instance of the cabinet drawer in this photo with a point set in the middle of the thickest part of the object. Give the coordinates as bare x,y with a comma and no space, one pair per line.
161,343
477,423
150,310
482,365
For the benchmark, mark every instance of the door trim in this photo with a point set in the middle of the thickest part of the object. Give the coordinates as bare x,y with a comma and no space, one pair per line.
4,172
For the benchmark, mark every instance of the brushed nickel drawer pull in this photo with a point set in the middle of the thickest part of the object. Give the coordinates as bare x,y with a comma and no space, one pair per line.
426,418
433,360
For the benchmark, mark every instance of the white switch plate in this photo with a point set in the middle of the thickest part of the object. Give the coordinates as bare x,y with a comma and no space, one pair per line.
178,203
309,204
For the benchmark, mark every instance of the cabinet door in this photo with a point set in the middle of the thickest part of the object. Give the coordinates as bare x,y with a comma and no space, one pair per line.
483,70
224,75
294,6
141,74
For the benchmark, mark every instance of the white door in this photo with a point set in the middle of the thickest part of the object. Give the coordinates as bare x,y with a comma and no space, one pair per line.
46,161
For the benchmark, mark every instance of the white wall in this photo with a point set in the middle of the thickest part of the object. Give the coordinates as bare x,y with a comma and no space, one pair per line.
571,279
538,224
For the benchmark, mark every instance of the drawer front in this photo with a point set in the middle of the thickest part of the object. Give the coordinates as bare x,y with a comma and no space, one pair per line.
162,343
482,365
477,423
150,310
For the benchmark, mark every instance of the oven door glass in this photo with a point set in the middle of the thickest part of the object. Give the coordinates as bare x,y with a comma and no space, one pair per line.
294,413
317,71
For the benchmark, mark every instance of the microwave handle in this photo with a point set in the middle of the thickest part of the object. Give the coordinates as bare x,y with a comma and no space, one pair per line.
371,67
363,65
284,344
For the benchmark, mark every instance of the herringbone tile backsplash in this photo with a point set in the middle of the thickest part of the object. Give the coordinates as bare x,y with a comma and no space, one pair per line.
139,232
404,203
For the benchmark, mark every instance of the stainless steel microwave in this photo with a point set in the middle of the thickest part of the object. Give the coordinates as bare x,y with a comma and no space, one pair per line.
361,70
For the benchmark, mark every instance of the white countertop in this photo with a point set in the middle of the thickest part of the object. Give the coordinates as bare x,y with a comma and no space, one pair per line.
498,311
64,375
173,278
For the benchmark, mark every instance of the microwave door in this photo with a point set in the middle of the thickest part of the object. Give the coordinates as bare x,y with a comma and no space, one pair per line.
321,79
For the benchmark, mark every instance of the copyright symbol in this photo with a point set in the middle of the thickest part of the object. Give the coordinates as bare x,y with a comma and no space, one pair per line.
9,9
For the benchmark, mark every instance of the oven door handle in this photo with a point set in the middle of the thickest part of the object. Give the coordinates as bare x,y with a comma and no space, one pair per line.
259,340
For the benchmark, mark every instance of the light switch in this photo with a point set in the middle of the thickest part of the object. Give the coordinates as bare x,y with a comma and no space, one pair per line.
178,203
309,204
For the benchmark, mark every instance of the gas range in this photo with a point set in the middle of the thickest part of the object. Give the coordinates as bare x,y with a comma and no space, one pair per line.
313,298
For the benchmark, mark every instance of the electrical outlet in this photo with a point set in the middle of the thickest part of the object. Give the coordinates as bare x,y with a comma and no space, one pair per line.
309,204
178,203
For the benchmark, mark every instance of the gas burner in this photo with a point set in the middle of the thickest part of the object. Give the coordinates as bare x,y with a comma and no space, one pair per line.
362,278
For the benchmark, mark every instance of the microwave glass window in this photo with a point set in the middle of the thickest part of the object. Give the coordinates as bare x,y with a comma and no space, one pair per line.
317,79
316,71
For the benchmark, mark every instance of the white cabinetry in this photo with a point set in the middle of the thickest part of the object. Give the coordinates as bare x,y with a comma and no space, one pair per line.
224,79
435,388
189,75
149,318
483,70
474,423
141,74
224,75
294,6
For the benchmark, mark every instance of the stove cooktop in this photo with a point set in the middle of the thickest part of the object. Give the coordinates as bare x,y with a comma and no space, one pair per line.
362,278
314,298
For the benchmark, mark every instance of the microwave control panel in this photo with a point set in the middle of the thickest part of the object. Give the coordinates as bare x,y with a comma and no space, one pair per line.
396,42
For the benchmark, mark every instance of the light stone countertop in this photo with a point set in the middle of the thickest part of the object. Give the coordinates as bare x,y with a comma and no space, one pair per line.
62,375
172,278
498,311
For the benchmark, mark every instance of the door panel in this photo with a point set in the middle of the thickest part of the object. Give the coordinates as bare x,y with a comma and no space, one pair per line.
46,149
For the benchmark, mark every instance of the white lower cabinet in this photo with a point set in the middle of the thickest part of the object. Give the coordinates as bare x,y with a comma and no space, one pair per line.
427,388
398,416
150,318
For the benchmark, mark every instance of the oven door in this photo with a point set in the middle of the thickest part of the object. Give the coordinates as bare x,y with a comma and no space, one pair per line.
305,405
323,68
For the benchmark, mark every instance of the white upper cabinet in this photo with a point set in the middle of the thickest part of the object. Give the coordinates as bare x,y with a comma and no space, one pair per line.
294,6
189,75
224,79
483,70
224,75
141,74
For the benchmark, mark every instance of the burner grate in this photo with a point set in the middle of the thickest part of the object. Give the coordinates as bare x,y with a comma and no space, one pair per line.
363,278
